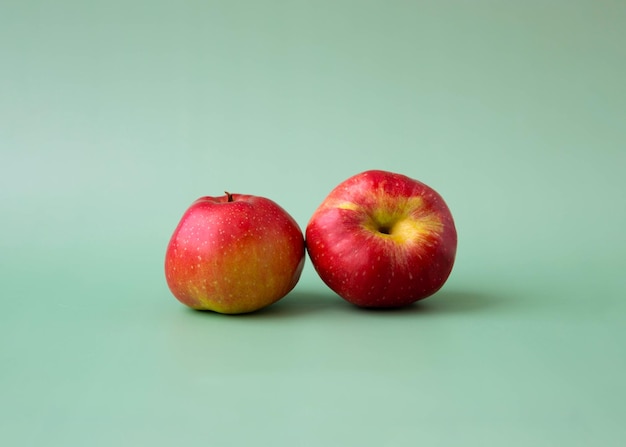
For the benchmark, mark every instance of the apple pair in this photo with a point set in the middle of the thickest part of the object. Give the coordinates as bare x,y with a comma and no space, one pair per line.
379,239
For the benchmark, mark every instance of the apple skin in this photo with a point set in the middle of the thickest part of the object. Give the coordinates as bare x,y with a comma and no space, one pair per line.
382,239
234,254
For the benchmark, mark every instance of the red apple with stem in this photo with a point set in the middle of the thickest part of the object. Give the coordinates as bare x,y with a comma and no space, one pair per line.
382,239
234,254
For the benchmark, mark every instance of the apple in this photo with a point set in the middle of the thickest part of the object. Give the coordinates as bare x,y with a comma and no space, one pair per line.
382,239
234,254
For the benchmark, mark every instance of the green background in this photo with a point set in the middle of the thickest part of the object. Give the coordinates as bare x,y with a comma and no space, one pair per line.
116,115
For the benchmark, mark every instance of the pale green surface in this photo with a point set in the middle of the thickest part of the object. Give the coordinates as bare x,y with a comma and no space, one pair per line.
116,115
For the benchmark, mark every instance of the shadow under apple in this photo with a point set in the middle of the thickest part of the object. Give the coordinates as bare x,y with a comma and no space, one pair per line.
445,301
299,302
304,302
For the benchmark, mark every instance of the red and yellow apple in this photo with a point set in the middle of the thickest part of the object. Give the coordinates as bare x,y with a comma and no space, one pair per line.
382,239
234,254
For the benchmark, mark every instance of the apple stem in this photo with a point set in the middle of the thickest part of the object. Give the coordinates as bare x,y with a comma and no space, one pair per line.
229,195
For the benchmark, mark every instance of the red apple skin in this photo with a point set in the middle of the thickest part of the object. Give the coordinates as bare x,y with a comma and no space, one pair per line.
382,239
234,256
